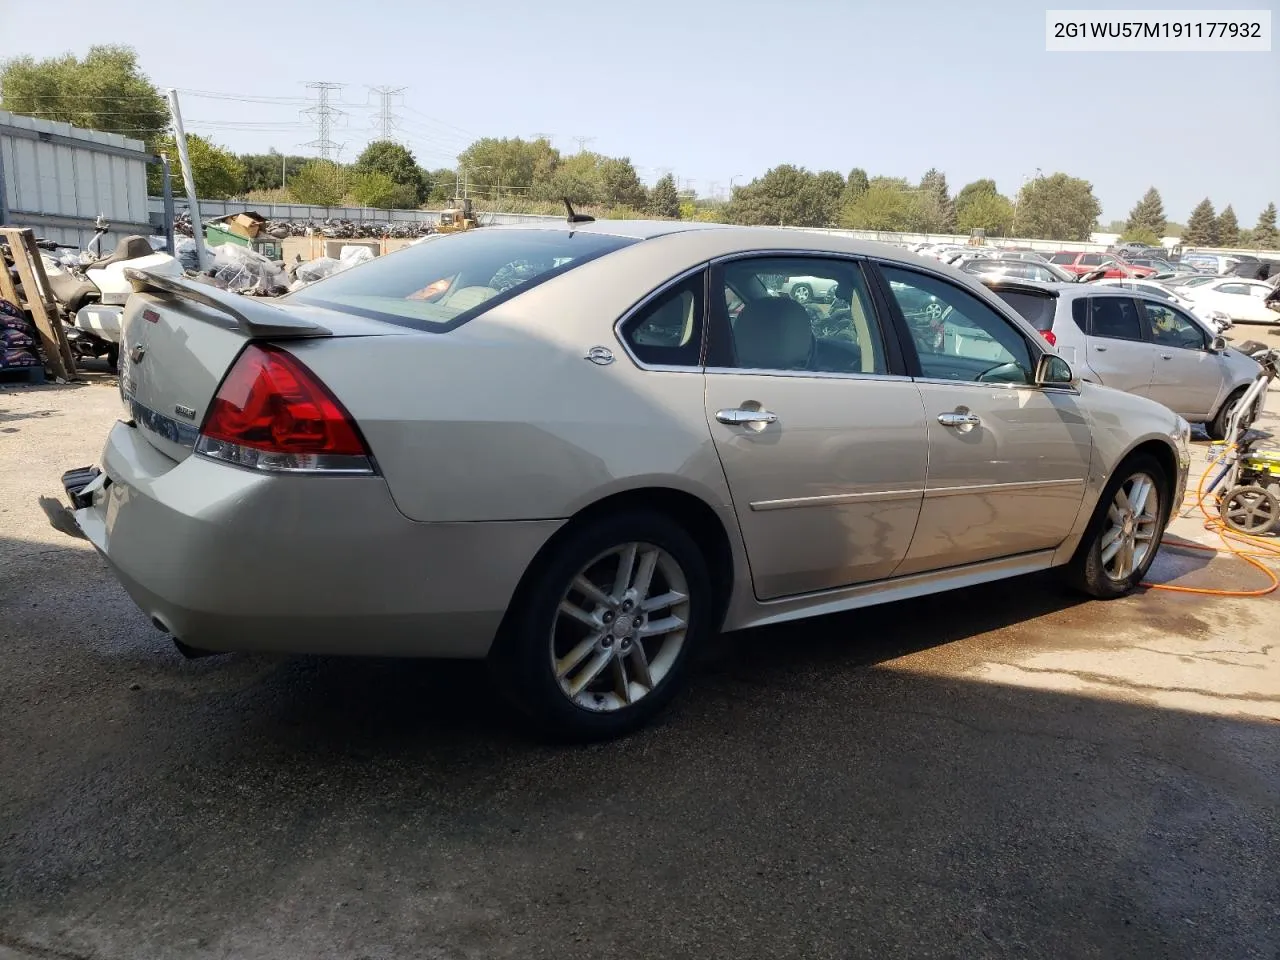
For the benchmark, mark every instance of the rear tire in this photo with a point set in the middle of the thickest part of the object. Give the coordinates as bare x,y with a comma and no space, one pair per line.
1118,528
542,652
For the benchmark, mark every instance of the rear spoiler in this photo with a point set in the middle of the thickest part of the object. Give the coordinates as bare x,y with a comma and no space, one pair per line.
253,317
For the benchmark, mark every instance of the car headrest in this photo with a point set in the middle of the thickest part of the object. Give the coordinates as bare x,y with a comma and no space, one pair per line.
773,333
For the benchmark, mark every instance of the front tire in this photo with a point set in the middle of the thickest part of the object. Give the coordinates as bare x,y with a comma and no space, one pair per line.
1218,426
597,641
1123,537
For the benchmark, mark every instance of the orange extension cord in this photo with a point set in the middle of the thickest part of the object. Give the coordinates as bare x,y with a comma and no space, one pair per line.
1269,548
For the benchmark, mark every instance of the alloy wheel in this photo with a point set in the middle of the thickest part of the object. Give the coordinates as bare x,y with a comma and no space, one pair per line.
1133,524
620,627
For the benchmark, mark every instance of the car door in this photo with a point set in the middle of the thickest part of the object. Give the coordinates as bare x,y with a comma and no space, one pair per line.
1187,377
820,431
1008,461
1116,349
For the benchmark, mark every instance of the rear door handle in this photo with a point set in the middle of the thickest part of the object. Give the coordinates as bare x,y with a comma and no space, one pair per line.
741,415
1166,356
1100,349
959,419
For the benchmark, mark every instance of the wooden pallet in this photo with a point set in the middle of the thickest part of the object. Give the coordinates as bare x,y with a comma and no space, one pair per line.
39,300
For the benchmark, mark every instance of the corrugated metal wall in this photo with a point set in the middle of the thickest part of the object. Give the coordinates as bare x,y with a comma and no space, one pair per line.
56,178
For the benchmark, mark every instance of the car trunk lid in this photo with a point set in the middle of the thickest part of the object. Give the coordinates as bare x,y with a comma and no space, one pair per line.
181,337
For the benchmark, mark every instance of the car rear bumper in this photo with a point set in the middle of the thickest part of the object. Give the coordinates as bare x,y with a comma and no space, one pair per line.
229,559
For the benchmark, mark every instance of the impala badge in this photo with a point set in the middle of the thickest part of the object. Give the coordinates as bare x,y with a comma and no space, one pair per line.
602,356
187,413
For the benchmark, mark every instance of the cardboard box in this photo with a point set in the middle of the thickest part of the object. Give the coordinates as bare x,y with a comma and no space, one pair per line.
247,224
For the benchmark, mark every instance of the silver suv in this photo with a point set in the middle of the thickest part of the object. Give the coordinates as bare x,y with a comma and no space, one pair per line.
1138,343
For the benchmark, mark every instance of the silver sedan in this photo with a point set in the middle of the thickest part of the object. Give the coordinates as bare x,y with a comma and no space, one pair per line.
559,449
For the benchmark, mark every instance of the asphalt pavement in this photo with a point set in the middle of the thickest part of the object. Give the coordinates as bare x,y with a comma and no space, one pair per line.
1005,771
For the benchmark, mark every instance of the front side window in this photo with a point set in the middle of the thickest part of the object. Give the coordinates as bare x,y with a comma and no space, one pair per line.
1171,329
1115,318
799,314
667,331
440,284
1238,289
956,335
1091,260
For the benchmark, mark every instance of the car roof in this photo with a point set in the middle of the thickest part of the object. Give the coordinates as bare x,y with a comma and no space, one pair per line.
1066,291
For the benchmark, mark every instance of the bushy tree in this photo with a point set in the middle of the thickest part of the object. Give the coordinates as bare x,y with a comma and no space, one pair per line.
989,212
664,199
1228,227
320,183
396,163
441,184
513,162
971,191
262,170
1057,207
787,195
1202,227
104,91
620,186
218,173
1147,215
884,205
1140,235
372,188
1265,236
578,177
934,208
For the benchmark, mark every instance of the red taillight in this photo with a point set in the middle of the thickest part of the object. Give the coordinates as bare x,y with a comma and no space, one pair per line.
1050,336
272,413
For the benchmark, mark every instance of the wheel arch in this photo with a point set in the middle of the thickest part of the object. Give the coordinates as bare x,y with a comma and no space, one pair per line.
703,522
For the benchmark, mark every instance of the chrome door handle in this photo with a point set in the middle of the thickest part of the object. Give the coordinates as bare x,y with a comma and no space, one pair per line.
739,415
959,419
1100,349
1166,356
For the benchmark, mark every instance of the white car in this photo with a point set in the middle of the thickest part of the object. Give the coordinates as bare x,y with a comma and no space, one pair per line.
1244,301
1216,320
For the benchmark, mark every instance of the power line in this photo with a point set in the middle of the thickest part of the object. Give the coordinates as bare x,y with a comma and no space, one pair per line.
324,113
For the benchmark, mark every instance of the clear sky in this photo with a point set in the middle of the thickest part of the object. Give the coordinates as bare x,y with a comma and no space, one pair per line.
714,90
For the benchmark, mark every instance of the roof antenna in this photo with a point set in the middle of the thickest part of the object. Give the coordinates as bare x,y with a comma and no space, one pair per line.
577,217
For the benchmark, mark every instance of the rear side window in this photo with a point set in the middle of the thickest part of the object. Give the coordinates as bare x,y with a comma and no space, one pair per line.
1036,309
1063,258
1115,318
1091,260
1080,314
442,283
667,331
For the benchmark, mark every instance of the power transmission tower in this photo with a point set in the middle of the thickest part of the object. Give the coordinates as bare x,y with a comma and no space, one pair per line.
324,113
388,121
583,141
542,136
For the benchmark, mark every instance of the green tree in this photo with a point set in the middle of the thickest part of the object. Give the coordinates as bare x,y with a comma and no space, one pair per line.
884,205
1140,235
971,191
664,200
578,177
396,162
1147,215
1202,228
1228,227
441,184
373,188
787,195
1056,207
1264,234
262,171
933,206
320,183
856,183
510,161
218,173
989,212
620,185
104,91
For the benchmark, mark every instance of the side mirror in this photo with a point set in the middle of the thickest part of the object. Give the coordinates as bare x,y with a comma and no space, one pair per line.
1053,371
1219,344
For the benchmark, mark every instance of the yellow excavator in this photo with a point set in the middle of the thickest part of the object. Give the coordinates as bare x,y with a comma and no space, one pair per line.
457,217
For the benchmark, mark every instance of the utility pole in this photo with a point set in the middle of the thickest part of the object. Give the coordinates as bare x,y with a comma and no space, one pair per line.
323,113
188,179
388,121
283,174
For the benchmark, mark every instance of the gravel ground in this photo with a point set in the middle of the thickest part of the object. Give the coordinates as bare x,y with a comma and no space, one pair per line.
999,772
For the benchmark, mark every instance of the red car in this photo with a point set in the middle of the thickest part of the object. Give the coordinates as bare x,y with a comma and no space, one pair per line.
1082,263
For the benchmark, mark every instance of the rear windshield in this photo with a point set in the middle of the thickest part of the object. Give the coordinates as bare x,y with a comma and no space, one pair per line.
1036,308
444,282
